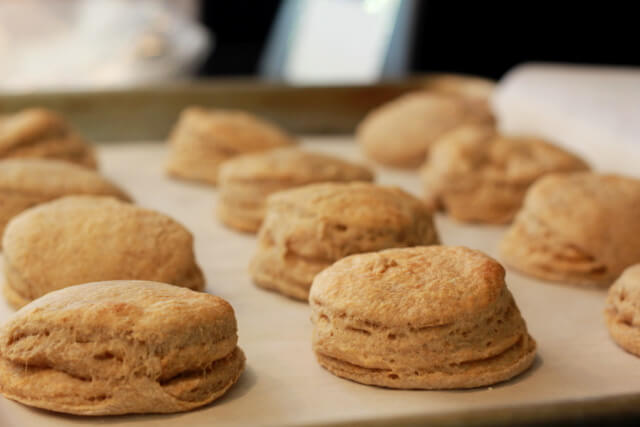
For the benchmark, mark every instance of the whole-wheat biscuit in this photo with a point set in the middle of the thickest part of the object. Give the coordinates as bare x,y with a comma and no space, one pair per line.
247,180
306,229
120,347
81,239
203,139
433,317
622,313
576,228
27,182
401,132
38,132
479,175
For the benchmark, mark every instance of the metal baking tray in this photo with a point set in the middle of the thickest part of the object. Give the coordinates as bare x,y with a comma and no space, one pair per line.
146,115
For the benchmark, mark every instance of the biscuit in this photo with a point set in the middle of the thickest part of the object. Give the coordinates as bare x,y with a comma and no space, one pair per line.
401,132
433,317
247,180
576,228
622,313
120,347
37,132
478,175
306,229
203,139
27,182
81,239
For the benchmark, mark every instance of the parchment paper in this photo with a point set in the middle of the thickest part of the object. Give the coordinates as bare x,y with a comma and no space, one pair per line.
283,384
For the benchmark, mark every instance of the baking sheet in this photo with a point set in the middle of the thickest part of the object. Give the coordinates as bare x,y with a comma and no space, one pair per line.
283,384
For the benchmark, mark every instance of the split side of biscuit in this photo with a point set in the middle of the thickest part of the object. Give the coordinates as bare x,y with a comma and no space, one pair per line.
120,347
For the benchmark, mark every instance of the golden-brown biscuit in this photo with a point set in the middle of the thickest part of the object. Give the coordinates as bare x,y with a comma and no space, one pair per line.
479,175
120,347
247,180
26,182
81,239
37,132
401,132
308,228
433,317
577,228
203,139
622,313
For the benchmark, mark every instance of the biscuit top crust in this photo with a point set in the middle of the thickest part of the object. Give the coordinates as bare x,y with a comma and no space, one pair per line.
155,311
236,131
582,195
291,165
623,300
479,152
52,178
358,204
402,130
30,125
412,287
597,213
77,239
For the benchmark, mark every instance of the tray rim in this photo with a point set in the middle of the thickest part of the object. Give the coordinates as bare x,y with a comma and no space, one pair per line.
311,109
426,80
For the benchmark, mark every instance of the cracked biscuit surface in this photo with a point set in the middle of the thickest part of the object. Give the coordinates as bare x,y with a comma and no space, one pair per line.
622,312
478,175
81,239
120,347
37,132
247,180
27,182
400,133
202,139
306,229
576,228
432,317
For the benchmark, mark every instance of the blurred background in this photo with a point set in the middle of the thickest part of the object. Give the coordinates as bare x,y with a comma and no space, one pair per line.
54,44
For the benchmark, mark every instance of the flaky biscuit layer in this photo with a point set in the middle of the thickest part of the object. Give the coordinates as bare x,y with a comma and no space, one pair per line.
41,133
203,139
478,175
120,347
306,229
574,228
246,181
622,312
423,317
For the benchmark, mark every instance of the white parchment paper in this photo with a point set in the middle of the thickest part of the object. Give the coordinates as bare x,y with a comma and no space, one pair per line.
283,384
